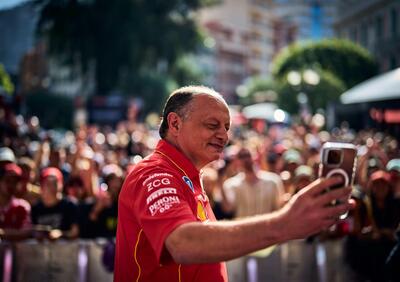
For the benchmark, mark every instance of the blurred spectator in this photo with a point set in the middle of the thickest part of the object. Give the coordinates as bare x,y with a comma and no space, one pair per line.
14,213
27,189
57,158
84,165
105,211
252,191
214,192
75,191
275,162
292,159
84,157
59,214
393,261
376,218
6,156
303,175
393,167
374,159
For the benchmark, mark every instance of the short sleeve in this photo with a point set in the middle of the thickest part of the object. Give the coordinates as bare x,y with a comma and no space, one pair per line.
163,204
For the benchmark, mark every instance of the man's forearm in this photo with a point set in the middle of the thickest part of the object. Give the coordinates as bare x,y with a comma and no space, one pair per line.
224,240
15,234
307,213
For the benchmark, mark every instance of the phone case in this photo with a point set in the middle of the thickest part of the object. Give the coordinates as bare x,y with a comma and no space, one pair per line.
346,166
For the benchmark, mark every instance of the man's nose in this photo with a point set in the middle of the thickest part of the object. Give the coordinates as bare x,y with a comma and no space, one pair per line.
222,134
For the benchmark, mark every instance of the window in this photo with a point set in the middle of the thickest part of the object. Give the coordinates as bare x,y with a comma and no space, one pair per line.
379,27
364,34
353,35
393,62
393,22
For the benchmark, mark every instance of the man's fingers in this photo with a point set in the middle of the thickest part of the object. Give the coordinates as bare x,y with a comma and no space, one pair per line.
321,184
336,194
328,223
334,212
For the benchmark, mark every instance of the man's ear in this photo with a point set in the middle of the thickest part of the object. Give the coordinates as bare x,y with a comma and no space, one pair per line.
174,123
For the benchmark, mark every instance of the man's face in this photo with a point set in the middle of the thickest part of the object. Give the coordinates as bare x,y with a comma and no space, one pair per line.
49,187
380,188
9,183
245,159
203,134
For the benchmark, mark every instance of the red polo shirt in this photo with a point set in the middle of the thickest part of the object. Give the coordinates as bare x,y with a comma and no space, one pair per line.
161,193
16,214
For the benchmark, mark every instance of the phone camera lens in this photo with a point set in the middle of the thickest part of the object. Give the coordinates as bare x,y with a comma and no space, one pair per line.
334,157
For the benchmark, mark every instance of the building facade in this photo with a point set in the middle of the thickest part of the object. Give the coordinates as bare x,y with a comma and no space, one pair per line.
374,24
247,34
243,36
313,19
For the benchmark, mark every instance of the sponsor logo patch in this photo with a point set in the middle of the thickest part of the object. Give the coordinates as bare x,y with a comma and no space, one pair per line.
188,182
159,193
162,174
155,183
163,204
201,212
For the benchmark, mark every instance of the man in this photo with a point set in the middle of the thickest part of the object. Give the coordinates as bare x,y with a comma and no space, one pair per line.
393,167
166,228
53,211
104,213
15,221
303,175
6,156
252,191
28,190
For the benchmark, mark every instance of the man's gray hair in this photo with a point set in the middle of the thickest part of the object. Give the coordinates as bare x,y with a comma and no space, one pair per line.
179,103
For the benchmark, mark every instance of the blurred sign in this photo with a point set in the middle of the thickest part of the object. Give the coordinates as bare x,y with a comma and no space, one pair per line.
113,108
107,109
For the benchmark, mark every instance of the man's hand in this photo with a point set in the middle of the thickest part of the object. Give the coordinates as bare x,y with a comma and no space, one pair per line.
310,210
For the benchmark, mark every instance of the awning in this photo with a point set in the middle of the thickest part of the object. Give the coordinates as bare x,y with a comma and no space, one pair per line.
379,88
266,111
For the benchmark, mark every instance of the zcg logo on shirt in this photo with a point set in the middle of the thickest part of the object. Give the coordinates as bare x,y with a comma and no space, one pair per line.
157,183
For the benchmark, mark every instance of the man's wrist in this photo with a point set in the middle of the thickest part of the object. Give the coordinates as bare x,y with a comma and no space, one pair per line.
278,228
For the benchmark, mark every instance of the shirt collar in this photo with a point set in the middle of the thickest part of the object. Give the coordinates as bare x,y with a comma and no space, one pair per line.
177,158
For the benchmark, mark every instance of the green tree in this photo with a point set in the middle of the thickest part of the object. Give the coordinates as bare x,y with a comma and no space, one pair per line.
257,90
348,61
5,81
152,87
327,89
186,71
123,39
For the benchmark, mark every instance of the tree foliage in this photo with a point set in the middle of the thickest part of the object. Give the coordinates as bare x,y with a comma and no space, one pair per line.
124,38
257,90
5,81
348,61
327,90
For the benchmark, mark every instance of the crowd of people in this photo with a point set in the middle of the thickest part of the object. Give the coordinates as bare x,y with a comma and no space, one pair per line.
65,185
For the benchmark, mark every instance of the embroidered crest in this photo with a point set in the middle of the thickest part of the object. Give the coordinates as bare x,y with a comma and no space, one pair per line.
188,182
201,212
